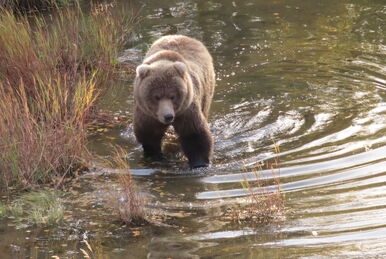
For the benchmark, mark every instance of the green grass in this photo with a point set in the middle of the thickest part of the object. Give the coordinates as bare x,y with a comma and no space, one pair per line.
3,210
38,207
52,71
42,207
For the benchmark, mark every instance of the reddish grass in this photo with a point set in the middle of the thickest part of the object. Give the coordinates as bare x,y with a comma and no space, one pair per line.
51,73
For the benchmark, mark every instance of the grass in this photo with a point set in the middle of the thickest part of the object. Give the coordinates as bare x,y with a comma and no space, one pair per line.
89,253
265,199
3,210
52,71
128,203
130,206
38,207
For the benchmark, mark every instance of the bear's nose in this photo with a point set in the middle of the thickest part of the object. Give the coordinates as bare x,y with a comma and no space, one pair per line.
169,118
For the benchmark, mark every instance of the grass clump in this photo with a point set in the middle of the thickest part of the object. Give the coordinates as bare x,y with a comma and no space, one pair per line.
264,204
52,70
67,43
38,207
265,201
128,203
3,210
42,140
131,206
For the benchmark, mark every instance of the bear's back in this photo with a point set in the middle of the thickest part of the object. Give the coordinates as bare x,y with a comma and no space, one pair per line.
191,49
196,55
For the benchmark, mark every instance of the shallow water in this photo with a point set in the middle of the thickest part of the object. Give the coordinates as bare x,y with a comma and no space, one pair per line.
306,75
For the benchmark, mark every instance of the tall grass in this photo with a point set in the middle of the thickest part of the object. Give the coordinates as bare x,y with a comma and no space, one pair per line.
265,200
128,203
52,70
42,140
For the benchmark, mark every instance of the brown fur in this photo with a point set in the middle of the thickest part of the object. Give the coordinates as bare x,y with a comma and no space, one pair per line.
174,86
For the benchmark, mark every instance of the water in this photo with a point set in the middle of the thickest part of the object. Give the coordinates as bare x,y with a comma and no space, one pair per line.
307,75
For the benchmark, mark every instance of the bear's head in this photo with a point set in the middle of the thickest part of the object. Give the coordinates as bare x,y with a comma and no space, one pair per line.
163,89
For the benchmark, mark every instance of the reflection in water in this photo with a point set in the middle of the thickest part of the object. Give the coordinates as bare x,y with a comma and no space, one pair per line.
309,75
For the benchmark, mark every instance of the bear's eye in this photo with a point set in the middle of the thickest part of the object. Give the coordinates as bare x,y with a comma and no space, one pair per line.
157,97
172,97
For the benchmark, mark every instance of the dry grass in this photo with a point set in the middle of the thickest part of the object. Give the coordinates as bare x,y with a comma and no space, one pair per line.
66,45
128,203
52,70
93,250
131,206
265,201
43,141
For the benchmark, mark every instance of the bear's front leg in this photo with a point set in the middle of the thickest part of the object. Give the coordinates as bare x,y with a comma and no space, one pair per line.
197,148
196,140
149,133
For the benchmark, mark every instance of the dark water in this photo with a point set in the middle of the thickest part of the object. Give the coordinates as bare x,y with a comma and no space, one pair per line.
307,75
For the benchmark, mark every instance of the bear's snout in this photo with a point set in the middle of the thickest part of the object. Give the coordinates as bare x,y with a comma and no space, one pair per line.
169,118
165,112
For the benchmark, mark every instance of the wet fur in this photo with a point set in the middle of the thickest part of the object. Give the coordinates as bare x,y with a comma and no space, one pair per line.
191,104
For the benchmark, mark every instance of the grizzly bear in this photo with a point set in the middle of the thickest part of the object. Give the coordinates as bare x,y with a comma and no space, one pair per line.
174,86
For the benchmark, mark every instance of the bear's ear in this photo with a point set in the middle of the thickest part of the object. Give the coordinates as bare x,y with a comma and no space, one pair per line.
142,71
180,68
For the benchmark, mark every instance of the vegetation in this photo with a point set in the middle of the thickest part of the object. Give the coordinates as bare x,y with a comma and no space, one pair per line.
265,202
3,210
88,252
128,203
52,70
38,207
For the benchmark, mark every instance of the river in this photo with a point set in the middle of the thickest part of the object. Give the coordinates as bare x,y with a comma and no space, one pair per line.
309,76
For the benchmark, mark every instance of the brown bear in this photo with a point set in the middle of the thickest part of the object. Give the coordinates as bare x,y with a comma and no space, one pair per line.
174,86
